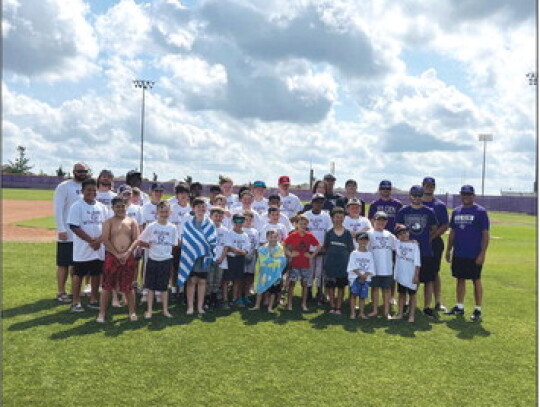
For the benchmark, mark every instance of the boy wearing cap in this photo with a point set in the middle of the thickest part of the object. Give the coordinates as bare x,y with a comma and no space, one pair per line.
441,213
406,270
330,195
360,269
466,250
422,223
319,223
301,246
354,222
290,203
237,244
381,245
351,192
386,204
260,203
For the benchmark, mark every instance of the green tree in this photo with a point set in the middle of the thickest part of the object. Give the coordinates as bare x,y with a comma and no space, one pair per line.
20,166
60,172
188,179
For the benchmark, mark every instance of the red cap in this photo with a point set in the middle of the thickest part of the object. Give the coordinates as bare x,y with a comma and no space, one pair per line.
284,179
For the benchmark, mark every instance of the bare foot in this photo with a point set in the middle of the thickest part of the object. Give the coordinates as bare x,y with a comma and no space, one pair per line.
201,311
100,319
272,311
147,315
337,312
373,314
289,307
116,304
363,316
352,316
305,308
167,314
133,317
254,308
189,312
398,316
411,320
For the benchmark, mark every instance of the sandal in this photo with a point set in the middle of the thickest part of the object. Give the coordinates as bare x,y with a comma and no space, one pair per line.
63,298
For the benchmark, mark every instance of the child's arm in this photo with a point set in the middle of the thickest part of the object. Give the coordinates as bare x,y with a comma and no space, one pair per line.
314,253
290,252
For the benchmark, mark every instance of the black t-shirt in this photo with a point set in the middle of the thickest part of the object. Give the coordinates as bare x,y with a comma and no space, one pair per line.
337,251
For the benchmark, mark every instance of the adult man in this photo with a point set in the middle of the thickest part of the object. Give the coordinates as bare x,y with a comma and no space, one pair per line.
422,223
467,246
290,203
386,204
331,196
351,188
65,195
437,243
134,180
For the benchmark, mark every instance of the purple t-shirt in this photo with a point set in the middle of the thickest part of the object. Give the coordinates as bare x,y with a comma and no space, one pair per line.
439,208
419,222
390,207
468,223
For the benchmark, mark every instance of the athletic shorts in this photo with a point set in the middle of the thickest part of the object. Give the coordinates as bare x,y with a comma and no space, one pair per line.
64,254
301,275
157,274
274,289
437,245
336,282
427,270
360,289
251,260
382,281
235,270
401,289
176,257
88,268
118,276
466,268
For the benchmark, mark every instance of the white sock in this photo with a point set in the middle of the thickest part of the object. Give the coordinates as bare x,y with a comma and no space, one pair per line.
478,308
460,306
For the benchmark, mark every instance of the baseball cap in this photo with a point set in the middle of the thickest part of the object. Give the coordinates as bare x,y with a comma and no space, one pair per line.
351,182
400,228
124,188
416,190
317,196
259,184
106,173
385,184
329,176
274,196
237,218
284,180
157,187
362,236
354,201
132,173
428,180
467,189
380,215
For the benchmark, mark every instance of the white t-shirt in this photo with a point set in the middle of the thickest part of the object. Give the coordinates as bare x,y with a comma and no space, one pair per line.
261,207
161,238
105,198
361,224
278,227
319,224
178,216
65,195
221,233
90,219
257,221
232,201
134,211
253,235
284,220
407,258
238,241
362,261
291,205
381,244
149,213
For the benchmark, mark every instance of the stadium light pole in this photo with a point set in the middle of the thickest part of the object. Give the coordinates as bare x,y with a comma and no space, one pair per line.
485,138
142,84
533,81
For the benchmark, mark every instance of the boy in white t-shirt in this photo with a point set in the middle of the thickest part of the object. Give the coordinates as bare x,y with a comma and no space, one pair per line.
226,185
354,222
273,224
381,244
159,238
260,203
406,270
361,268
105,184
251,257
85,219
215,274
237,244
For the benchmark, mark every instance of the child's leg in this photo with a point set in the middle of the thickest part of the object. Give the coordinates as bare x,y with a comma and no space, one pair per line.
304,296
478,291
236,290
76,289
165,303
224,290
412,306
374,301
190,293
386,299
130,299
201,290
330,292
95,282
352,303
290,293
401,305
460,290
257,305
428,294
149,304
271,302
362,305
339,301
103,304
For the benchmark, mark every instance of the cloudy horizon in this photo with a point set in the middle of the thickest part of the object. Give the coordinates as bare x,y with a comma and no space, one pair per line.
258,89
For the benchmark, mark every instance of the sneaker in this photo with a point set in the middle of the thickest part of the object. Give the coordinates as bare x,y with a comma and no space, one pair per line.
239,302
93,305
477,315
455,311
225,305
77,308
247,302
429,312
63,298
440,307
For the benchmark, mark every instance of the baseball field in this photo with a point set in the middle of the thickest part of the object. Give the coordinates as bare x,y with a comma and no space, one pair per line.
52,357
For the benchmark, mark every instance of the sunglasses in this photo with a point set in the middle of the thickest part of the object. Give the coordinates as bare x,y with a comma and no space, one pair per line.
417,195
81,171
385,189
238,220
467,194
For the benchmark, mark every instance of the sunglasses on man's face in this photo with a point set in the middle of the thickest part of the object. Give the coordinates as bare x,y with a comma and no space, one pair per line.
467,194
385,189
81,171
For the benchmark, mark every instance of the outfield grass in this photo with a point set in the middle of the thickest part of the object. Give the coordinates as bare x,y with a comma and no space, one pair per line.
28,194
243,358
47,222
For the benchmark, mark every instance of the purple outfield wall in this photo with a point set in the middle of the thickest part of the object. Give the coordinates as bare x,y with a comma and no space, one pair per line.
516,204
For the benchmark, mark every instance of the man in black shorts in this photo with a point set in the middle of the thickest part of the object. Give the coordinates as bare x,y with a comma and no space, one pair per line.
467,246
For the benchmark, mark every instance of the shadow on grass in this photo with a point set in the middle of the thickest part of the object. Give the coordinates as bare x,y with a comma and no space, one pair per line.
281,316
467,329
32,308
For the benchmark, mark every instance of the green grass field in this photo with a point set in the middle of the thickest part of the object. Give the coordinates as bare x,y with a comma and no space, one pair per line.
27,194
243,358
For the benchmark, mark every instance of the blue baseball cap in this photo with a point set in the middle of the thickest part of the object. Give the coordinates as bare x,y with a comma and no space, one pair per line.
467,189
259,184
385,184
428,180
416,190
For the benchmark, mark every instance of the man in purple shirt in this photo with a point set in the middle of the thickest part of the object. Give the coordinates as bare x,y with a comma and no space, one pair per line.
422,224
386,204
441,213
466,250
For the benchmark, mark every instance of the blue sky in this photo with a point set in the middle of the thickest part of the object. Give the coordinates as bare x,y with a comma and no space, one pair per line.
258,89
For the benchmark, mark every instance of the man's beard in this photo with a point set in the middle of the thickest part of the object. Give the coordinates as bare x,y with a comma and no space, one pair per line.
79,177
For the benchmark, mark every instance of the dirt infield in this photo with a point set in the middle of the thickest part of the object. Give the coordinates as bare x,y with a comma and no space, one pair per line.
17,210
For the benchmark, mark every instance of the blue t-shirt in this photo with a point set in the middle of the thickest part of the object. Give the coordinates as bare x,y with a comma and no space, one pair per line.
390,207
439,208
420,222
468,223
